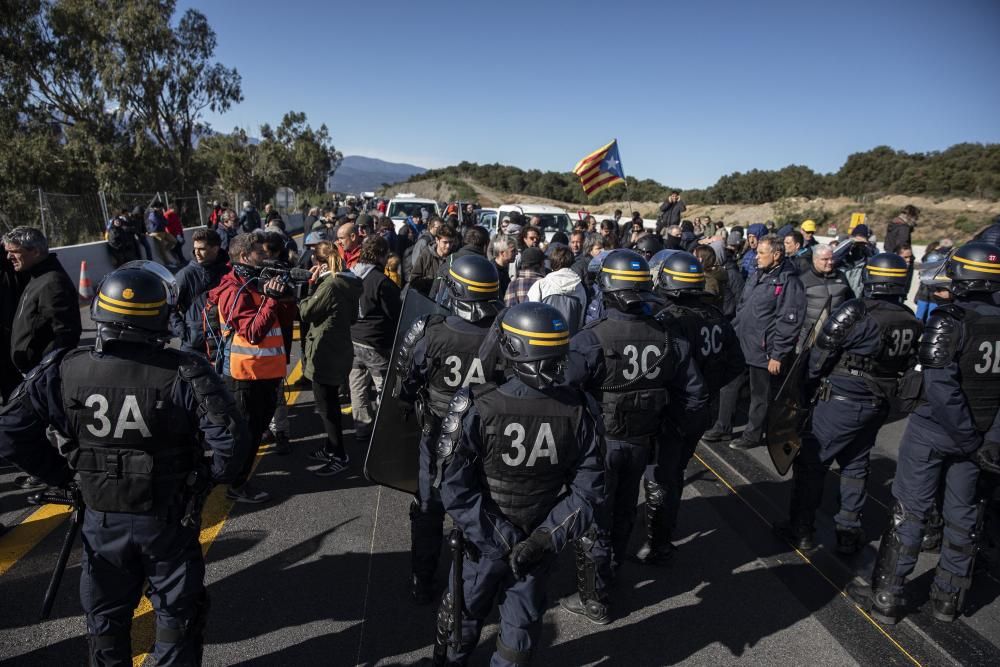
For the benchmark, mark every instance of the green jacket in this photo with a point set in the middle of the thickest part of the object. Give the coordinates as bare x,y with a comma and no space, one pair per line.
329,312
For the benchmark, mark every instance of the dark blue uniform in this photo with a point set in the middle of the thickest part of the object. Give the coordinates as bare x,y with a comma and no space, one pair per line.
510,475
614,351
960,353
123,551
863,349
442,360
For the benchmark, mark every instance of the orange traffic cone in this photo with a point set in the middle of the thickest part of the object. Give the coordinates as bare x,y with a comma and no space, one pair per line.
86,289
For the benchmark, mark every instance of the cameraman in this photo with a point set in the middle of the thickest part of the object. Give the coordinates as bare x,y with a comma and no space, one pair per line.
250,316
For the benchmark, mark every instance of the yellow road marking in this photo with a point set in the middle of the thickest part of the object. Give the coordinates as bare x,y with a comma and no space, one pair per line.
22,538
213,518
805,558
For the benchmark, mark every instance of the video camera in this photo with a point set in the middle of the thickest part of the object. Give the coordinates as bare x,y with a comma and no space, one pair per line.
294,281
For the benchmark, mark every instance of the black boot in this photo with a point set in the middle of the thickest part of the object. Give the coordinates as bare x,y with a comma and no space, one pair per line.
799,536
877,599
586,602
945,604
657,549
850,540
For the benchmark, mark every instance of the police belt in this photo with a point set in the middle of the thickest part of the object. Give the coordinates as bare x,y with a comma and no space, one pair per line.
826,394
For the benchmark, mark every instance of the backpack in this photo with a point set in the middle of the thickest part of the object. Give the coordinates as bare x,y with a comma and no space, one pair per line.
570,307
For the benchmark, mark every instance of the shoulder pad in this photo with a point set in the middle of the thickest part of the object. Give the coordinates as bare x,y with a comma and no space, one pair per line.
835,329
451,426
951,310
412,336
939,343
50,359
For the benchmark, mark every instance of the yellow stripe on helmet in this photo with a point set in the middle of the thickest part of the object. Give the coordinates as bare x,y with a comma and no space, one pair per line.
536,334
979,266
493,285
132,304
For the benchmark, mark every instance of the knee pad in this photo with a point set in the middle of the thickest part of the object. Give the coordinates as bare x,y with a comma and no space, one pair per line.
654,493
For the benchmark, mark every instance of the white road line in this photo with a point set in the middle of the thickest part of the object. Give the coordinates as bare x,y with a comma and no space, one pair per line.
368,584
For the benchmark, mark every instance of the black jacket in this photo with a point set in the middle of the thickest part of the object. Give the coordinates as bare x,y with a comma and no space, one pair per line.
193,283
378,310
48,315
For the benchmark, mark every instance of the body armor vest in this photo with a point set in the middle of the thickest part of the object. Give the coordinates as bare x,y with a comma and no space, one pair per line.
136,447
456,362
632,351
899,331
979,366
818,288
706,330
531,449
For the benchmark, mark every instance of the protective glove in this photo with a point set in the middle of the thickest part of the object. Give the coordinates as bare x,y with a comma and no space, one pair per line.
987,457
527,554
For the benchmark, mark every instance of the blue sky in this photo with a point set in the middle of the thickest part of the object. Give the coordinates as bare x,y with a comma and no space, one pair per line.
691,90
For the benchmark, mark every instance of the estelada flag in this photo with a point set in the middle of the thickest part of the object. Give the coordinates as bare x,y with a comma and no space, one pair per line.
601,169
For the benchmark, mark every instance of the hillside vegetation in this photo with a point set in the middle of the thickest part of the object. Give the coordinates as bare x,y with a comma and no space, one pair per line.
957,190
958,218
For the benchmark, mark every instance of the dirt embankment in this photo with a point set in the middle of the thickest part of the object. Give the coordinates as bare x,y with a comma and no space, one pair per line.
958,219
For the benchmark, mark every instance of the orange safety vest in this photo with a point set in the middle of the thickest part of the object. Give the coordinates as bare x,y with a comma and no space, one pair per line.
246,361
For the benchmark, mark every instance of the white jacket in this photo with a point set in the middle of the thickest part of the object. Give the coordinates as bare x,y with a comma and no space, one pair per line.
563,281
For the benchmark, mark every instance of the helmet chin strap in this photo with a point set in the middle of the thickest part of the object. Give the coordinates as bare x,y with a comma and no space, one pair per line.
539,374
474,311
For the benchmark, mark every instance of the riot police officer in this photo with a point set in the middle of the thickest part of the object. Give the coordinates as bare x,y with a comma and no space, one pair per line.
860,355
954,432
635,367
522,477
679,279
438,356
134,409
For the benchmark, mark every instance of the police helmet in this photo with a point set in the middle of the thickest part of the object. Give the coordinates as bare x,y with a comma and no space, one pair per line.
534,339
474,287
649,245
680,272
134,302
886,273
975,267
624,280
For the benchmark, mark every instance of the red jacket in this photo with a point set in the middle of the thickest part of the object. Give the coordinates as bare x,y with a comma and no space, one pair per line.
244,316
174,225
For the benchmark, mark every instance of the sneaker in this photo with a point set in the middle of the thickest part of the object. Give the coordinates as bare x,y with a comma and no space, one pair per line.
321,455
282,447
334,467
713,436
740,443
269,437
28,482
248,494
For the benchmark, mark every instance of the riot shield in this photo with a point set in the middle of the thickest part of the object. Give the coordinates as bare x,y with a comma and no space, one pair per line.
393,451
787,412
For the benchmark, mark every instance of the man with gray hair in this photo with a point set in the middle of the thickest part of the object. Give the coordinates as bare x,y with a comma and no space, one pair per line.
504,251
48,313
821,282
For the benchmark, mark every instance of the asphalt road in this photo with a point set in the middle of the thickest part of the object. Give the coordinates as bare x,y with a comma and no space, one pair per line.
319,577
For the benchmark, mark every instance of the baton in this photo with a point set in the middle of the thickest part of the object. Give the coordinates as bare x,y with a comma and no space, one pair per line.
457,544
47,497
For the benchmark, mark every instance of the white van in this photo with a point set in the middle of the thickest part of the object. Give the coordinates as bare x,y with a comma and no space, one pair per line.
406,204
553,218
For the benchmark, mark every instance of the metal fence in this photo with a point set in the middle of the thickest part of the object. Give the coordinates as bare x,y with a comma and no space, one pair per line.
69,219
